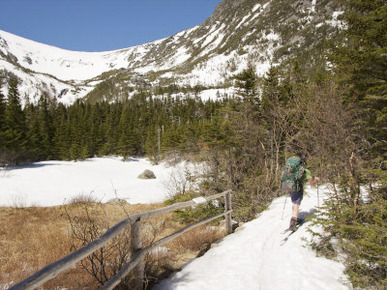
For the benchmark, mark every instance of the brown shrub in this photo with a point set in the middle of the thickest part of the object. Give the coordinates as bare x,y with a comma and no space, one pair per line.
31,238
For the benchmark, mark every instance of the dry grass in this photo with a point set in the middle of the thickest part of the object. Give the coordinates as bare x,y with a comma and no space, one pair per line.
31,238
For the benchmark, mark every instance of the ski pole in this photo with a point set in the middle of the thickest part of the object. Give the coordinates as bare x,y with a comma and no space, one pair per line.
318,197
283,210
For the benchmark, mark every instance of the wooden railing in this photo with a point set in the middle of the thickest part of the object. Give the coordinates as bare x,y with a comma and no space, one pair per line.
136,263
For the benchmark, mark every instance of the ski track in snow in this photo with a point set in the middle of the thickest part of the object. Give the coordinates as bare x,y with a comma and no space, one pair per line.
253,257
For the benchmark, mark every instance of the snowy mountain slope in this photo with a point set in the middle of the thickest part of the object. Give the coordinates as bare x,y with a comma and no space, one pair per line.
65,64
58,72
32,85
258,33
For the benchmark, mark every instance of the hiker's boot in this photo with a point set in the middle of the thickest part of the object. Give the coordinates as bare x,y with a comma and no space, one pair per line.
299,221
293,224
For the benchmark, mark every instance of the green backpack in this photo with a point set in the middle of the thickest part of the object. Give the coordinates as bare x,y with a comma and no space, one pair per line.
292,174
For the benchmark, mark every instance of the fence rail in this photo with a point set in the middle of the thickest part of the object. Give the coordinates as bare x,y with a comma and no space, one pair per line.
136,263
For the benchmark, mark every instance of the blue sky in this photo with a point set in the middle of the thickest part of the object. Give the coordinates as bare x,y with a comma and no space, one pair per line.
100,25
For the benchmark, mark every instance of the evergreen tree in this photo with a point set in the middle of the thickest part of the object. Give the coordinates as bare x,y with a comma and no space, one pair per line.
94,131
2,126
2,109
77,128
280,113
61,135
152,145
247,82
361,64
110,141
15,127
45,128
353,142
361,60
130,139
31,112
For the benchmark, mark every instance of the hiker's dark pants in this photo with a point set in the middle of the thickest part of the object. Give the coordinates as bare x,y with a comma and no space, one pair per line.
296,197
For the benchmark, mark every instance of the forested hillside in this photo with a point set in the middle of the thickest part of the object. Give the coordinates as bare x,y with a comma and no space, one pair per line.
334,113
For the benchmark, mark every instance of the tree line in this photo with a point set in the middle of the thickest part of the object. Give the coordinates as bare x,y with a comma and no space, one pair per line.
139,126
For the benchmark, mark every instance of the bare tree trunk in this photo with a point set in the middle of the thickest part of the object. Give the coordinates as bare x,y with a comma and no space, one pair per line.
355,184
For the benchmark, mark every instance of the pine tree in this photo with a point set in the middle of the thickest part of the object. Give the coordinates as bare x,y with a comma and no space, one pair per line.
361,64
247,83
129,140
77,128
2,126
61,134
94,125
15,127
279,114
31,112
113,114
2,110
45,128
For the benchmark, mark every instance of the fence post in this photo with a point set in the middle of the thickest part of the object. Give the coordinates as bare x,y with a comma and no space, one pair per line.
135,246
227,208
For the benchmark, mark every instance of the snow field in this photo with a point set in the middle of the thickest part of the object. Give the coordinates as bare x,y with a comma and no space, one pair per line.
53,183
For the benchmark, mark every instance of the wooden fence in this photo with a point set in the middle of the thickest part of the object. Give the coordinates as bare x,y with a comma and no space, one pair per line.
137,261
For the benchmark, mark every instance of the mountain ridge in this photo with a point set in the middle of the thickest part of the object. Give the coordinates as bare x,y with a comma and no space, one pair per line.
238,34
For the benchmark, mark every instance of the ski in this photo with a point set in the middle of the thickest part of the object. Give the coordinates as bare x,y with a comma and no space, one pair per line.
300,223
286,231
291,232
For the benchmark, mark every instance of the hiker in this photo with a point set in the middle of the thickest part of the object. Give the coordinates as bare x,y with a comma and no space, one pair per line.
294,176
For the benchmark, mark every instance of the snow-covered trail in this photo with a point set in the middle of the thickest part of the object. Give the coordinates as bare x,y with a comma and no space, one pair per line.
254,257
